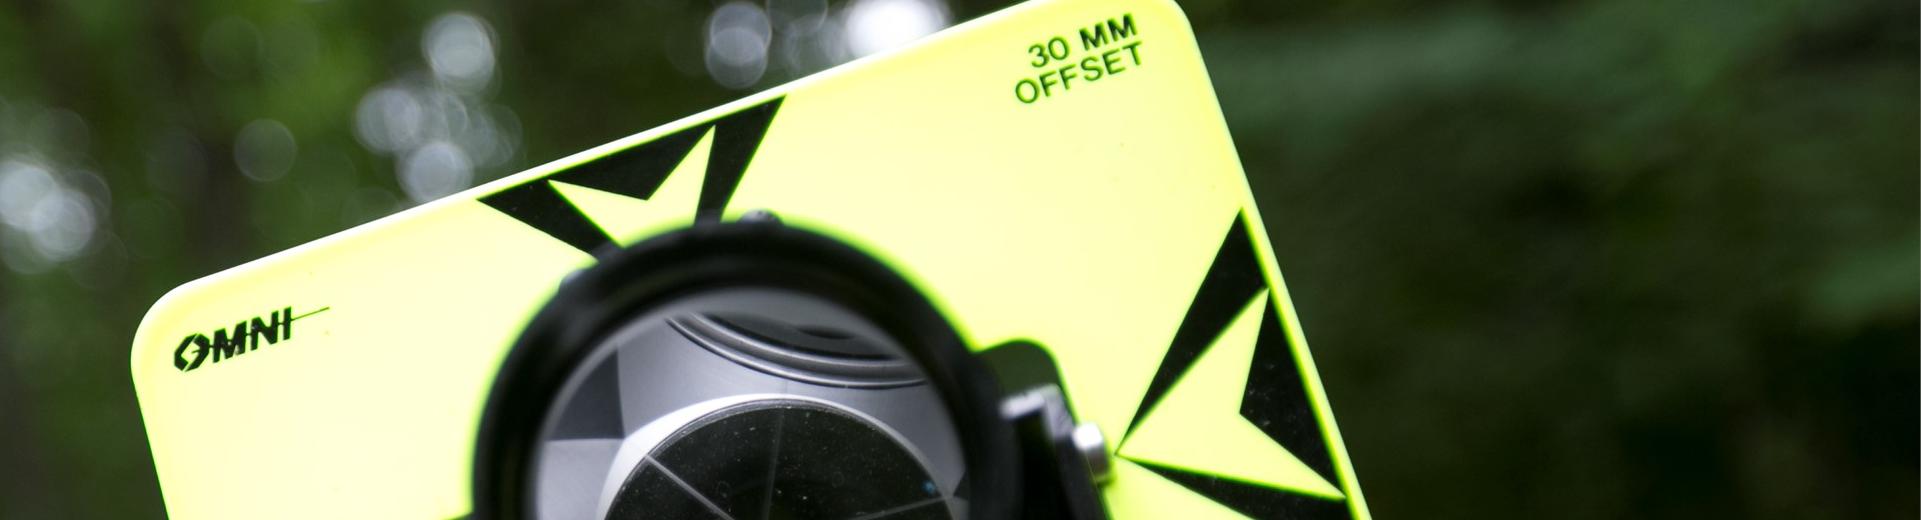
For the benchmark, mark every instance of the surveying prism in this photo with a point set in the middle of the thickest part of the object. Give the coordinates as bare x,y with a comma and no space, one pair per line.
1012,271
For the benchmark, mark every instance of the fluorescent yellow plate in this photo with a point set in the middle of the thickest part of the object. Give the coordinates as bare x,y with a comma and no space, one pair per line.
1058,171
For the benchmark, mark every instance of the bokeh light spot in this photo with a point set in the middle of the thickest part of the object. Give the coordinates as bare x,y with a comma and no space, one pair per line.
878,25
436,170
459,47
737,37
265,150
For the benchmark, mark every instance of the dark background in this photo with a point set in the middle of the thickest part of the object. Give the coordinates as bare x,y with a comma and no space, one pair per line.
1581,259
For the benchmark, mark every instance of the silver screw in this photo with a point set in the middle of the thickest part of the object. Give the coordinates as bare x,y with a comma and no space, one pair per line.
760,215
1093,447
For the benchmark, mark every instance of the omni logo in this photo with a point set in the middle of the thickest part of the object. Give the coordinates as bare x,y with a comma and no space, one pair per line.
245,336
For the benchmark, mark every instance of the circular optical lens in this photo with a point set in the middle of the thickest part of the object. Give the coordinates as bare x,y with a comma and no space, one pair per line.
779,460
748,403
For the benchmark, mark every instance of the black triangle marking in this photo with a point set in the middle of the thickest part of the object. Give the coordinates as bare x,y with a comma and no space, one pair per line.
1233,280
1254,501
639,171
1276,398
538,205
735,139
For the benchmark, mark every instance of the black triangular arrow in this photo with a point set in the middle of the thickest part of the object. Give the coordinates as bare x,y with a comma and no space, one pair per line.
1275,399
1258,502
637,172
735,141
1232,280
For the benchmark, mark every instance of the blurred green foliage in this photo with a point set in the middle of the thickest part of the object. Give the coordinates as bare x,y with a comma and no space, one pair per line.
1584,259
